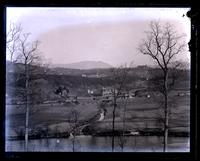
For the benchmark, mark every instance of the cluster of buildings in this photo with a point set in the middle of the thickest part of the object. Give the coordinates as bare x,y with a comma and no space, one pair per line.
97,75
109,92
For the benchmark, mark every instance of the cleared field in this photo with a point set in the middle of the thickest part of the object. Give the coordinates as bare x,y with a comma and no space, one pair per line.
141,113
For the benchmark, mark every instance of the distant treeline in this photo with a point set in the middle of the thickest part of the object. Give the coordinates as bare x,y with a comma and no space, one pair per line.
78,84
76,79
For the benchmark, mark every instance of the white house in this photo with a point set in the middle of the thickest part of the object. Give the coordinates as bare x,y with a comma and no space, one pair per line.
106,92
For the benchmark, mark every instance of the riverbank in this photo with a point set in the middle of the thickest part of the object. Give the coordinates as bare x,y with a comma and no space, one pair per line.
152,132
88,143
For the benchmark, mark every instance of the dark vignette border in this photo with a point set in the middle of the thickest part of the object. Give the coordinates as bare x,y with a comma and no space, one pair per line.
193,46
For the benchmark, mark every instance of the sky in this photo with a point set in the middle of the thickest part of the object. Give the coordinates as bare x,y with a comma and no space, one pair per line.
111,35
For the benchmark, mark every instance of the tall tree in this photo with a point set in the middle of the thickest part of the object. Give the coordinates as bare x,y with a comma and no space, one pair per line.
122,138
28,56
28,68
162,44
119,76
74,125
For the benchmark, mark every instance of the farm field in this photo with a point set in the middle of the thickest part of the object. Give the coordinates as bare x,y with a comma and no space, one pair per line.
141,114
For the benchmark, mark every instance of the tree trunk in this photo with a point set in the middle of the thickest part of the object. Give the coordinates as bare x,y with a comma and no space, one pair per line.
166,112
73,148
27,108
124,121
113,125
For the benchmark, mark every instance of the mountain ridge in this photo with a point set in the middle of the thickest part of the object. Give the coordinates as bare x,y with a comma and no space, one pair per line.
84,65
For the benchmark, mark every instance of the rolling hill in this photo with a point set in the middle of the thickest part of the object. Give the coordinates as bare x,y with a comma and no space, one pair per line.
85,65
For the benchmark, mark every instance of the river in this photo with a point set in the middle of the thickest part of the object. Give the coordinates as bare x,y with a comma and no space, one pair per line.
102,144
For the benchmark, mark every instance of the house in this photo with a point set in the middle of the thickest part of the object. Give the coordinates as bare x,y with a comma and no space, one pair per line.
89,91
83,75
94,92
97,75
124,95
108,92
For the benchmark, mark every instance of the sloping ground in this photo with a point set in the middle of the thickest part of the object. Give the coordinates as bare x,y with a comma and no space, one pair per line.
141,114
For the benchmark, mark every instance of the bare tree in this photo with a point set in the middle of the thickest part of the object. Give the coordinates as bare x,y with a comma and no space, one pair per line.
119,76
29,57
12,39
162,44
25,58
122,139
74,124
73,115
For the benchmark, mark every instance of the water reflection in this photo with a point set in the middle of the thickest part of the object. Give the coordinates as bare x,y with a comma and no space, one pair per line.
102,144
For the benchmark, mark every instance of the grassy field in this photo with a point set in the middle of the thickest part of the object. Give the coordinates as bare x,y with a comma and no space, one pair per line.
141,114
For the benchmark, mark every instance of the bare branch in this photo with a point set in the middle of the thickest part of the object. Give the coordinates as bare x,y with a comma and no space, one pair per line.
14,33
12,39
161,44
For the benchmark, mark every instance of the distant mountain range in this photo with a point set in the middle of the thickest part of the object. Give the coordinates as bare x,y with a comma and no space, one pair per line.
84,65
